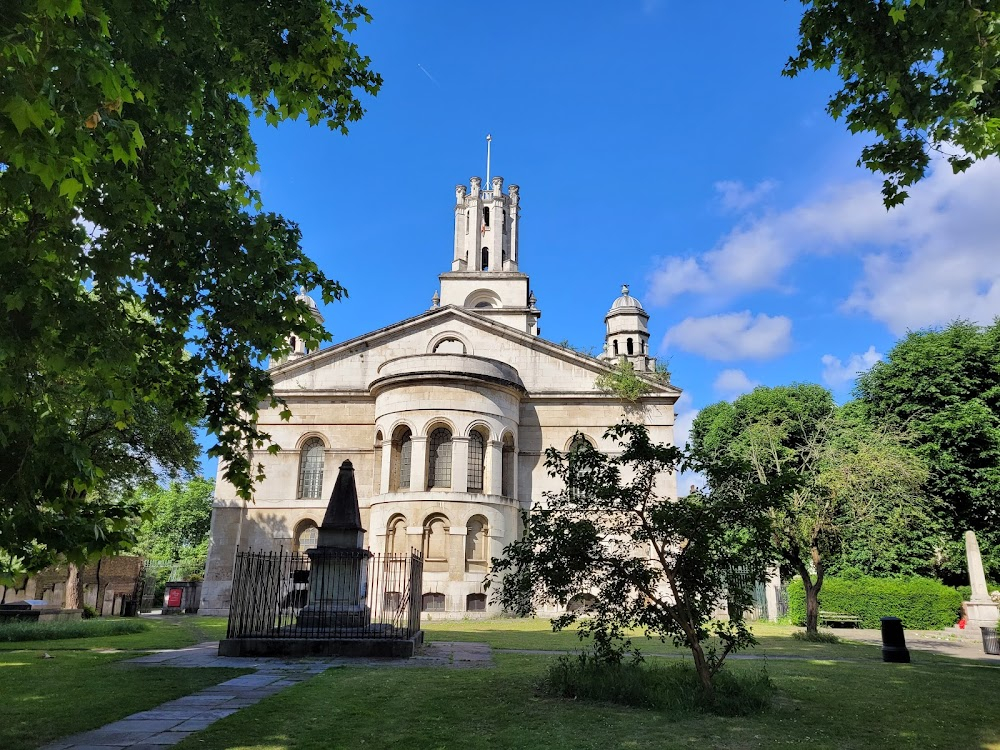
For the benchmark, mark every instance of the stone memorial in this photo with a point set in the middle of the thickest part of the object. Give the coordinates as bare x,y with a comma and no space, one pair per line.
980,611
338,579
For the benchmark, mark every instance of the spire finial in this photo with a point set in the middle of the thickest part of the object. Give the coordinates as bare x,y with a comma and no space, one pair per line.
625,289
489,138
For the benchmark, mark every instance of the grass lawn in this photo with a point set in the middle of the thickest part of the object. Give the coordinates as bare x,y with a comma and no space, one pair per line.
536,634
820,704
81,688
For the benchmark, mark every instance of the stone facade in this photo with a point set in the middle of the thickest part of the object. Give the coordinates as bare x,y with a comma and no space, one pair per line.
445,416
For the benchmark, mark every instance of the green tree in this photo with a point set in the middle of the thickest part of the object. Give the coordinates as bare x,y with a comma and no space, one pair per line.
623,382
943,386
176,520
921,76
138,269
655,563
829,469
78,524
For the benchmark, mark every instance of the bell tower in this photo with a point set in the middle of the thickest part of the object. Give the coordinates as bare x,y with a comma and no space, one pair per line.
484,275
627,333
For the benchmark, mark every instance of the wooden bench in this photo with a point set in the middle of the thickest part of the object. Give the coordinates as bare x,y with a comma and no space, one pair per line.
828,617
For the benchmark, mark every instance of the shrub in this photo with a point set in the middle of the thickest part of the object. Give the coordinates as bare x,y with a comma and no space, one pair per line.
89,612
820,636
25,630
671,687
923,603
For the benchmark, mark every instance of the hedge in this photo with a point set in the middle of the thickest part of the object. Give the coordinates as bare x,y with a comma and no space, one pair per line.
921,603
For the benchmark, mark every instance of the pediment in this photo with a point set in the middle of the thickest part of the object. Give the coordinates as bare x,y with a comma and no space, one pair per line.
351,366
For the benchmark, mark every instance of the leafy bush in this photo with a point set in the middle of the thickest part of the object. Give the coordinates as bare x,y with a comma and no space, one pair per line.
820,636
29,630
89,612
923,603
670,687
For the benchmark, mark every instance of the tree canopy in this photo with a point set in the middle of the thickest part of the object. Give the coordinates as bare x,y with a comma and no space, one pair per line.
176,520
943,387
653,563
830,470
922,77
138,268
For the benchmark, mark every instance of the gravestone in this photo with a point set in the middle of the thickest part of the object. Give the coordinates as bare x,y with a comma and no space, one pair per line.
980,610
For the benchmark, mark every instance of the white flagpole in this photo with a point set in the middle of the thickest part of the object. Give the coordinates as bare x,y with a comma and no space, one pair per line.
488,139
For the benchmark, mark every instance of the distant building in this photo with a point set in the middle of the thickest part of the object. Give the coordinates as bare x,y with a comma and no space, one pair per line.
446,417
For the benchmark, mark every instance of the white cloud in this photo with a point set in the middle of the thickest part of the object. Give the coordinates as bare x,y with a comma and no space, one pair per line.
735,196
836,374
732,383
732,336
925,263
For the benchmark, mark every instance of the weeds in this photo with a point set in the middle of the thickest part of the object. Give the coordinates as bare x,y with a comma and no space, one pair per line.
674,688
820,636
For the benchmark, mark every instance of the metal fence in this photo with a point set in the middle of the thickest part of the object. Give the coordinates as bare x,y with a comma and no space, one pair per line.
339,594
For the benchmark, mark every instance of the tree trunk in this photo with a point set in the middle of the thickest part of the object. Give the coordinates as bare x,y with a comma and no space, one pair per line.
812,606
99,602
702,668
74,588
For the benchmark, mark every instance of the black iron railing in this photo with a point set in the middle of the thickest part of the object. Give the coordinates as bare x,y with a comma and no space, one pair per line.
333,594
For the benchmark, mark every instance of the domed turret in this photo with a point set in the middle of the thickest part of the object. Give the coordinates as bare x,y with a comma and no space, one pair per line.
296,344
627,333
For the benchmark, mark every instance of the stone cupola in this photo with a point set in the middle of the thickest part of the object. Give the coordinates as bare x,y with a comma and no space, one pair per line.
295,343
627,333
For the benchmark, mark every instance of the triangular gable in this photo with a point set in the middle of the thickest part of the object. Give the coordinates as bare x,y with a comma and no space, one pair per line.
360,357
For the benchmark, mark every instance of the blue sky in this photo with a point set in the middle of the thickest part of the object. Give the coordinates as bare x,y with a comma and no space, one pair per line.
656,144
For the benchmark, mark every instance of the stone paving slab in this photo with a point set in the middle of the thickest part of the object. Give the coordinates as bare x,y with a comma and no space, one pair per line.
170,722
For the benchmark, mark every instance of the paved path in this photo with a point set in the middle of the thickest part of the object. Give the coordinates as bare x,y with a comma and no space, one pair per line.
963,644
174,720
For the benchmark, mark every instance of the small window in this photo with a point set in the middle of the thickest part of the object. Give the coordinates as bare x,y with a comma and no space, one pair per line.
432,602
468,220
486,259
483,305
614,344
475,603
486,217
293,342
505,221
307,537
628,345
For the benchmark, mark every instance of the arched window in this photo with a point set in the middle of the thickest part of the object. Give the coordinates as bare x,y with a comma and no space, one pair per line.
486,259
578,475
614,344
377,463
477,456
311,469
486,217
439,458
292,341
395,536
581,603
475,603
507,467
402,450
306,537
476,540
436,539
432,602
628,345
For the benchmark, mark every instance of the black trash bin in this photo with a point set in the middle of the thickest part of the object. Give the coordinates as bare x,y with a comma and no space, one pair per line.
991,642
894,642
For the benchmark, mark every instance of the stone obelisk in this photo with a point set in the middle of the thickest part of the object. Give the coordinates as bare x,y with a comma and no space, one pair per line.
338,576
980,611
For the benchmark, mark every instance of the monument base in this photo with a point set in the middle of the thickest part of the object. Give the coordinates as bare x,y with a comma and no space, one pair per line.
319,616
981,614
395,648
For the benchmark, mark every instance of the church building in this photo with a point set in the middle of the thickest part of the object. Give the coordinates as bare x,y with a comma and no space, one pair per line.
445,416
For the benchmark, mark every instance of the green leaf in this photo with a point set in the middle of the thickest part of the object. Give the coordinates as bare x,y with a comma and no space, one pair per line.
70,187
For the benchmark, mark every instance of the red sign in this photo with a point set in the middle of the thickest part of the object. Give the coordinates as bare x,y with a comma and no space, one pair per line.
174,597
